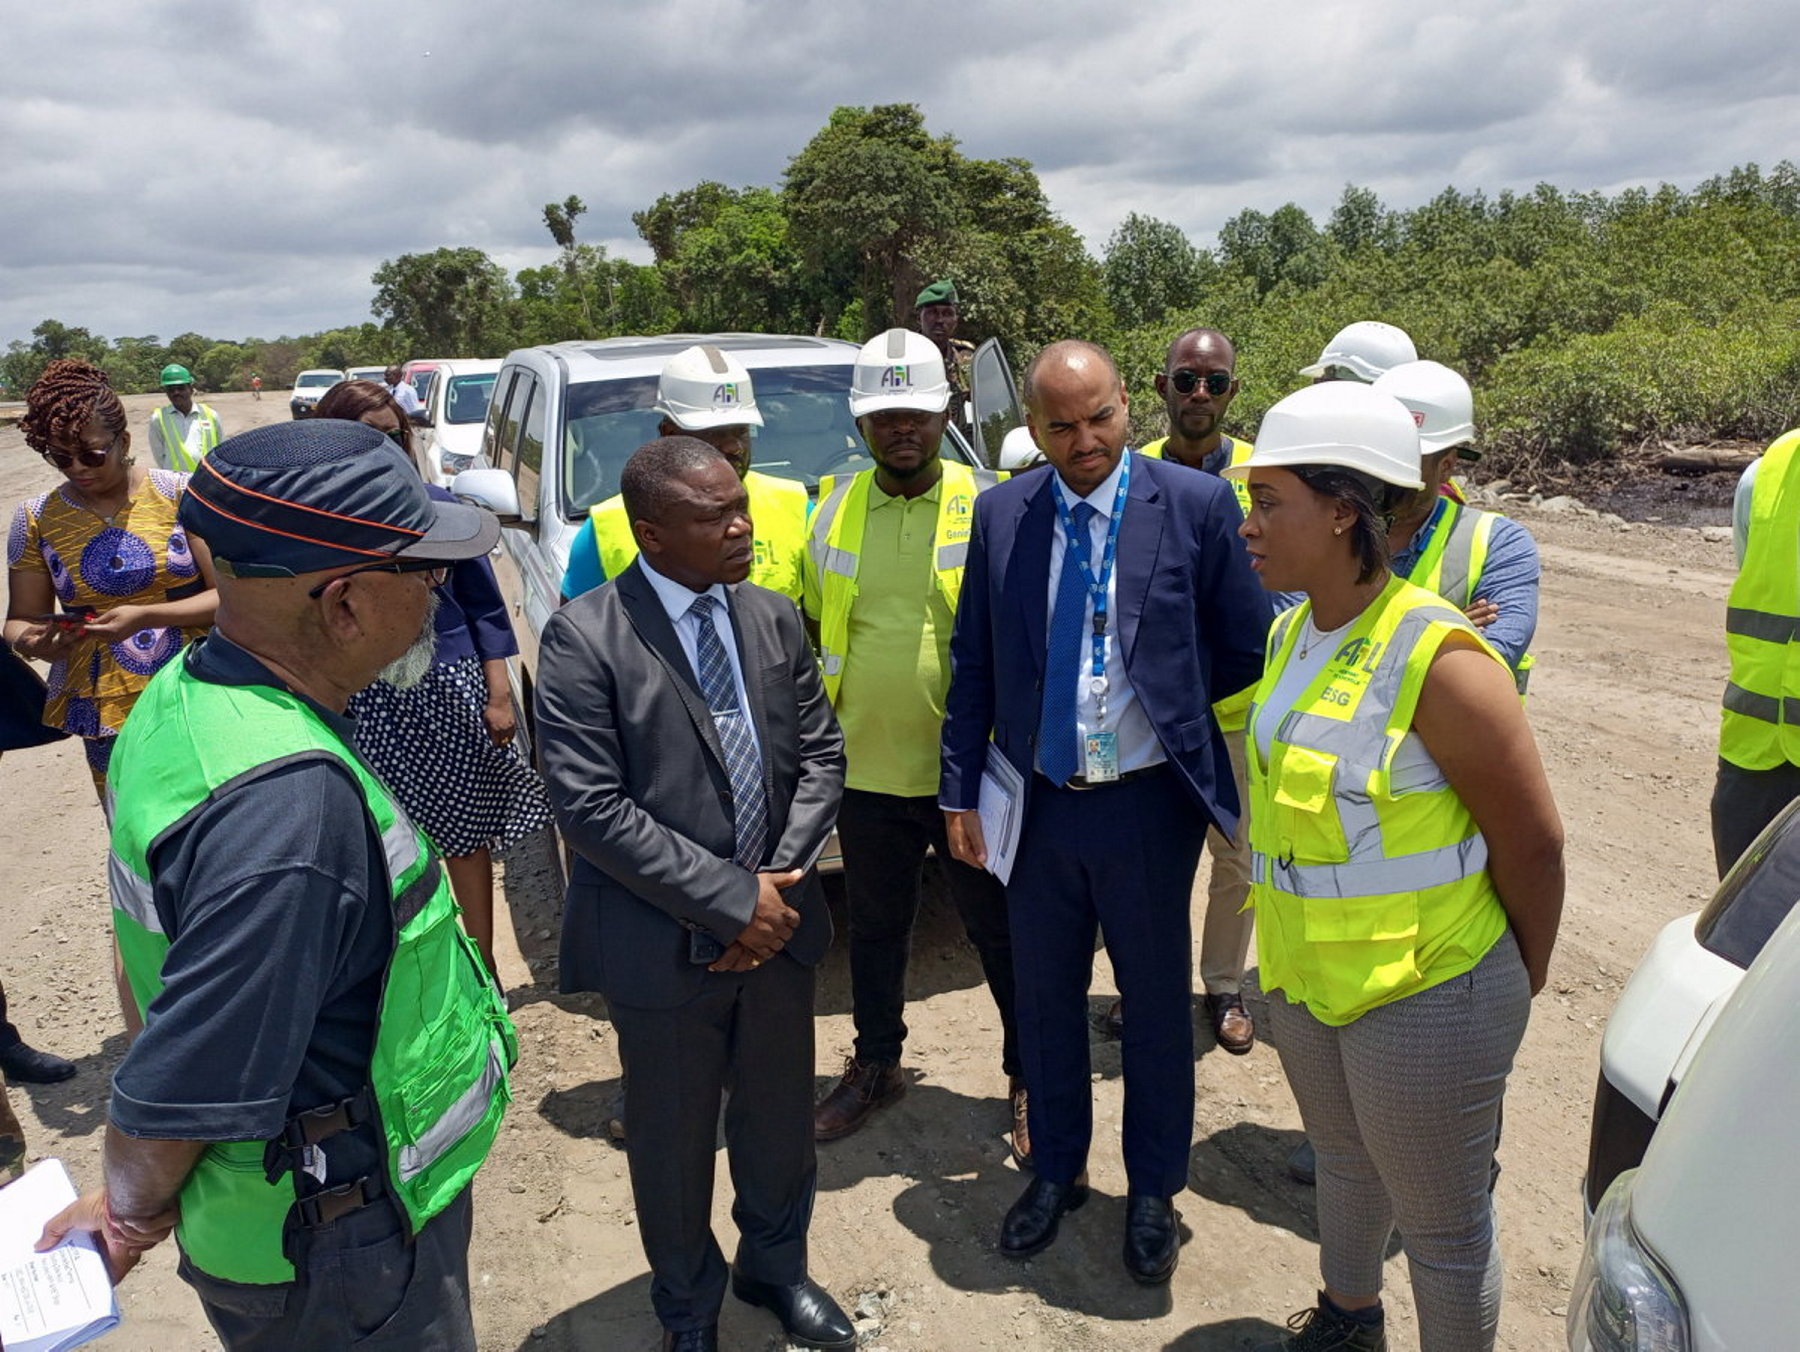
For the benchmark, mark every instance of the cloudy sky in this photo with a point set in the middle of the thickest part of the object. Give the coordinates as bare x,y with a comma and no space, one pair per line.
239,169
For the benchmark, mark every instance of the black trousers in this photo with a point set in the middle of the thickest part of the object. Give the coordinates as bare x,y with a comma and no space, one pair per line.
749,1035
1121,857
362,1284
1745,801
884,839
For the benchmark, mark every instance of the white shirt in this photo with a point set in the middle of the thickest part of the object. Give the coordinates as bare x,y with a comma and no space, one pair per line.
1138,745
191,425
678,601
406,396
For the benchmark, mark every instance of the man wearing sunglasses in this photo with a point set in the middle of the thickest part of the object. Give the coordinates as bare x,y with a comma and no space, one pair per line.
1197,384
181,431
292,930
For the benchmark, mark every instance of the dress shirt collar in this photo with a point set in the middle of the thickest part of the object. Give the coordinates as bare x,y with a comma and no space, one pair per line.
1101,499
677,598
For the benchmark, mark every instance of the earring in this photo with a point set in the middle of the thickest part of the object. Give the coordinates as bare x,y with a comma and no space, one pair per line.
1337,530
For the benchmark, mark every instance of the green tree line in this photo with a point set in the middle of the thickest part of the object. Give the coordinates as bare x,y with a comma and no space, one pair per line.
1586,322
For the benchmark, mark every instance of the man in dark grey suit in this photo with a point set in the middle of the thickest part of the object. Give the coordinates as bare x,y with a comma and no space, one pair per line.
695,766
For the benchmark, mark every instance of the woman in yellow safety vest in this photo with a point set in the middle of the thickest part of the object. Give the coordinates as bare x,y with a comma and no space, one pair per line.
1406,872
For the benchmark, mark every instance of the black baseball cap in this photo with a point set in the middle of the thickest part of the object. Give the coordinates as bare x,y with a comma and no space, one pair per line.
301,497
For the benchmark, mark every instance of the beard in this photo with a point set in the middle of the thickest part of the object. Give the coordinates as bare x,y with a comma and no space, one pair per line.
408,669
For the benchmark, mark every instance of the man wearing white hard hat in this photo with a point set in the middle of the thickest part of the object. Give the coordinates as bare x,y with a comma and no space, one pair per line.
884,571
704,393
1363,352
1483,563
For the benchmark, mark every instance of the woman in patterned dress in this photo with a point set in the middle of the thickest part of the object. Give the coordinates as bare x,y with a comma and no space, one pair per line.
102,581
445,745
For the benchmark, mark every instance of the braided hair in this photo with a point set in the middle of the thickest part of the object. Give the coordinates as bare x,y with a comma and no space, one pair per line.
63,399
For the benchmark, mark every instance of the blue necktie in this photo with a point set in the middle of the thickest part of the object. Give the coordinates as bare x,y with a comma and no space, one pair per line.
1058,754
749,801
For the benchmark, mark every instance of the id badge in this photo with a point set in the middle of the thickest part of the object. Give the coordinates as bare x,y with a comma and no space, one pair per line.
1102,757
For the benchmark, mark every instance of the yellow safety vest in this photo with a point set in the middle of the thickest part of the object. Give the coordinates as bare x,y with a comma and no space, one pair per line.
1366,890
1240,452
1453,559
1231,711
210,435
777,517
1759,726
834,548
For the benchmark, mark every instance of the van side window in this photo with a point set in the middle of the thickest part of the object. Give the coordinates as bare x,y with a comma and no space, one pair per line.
531,449
496,419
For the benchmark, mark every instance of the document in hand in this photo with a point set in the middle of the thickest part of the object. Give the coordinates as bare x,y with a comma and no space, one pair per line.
1002,811
55,1300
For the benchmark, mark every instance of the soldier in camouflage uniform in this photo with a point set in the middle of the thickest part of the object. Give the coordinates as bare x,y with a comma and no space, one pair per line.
936,318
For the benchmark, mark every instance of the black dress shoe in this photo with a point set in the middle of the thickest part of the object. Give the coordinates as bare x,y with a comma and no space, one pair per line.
808,1314
1152,1239
1303,1164
692,1340
27,1065
1030,1227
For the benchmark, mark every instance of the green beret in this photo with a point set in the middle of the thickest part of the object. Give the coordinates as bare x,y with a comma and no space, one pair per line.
938,293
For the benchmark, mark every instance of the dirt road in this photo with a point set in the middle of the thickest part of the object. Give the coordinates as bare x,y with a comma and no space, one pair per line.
1624,702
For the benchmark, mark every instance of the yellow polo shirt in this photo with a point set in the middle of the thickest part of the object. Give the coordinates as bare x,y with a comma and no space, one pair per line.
897,661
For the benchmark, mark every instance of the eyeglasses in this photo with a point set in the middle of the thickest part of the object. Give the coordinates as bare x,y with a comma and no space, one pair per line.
1216,382
436,574
397,434
87,455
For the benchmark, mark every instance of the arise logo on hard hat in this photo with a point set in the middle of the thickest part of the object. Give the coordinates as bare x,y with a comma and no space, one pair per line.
725,395
896,378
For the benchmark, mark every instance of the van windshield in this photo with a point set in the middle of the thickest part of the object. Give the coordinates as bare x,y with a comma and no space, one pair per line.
466,398
1756,895
807,430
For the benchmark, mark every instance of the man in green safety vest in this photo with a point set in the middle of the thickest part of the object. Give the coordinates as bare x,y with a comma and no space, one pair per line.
324,1063
704,393
884,569
182,431
1759,757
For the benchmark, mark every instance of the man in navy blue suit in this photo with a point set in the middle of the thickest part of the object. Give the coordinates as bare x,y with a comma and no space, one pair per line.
1104,608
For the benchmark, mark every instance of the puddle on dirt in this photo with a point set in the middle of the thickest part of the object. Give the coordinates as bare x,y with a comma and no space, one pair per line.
1667,499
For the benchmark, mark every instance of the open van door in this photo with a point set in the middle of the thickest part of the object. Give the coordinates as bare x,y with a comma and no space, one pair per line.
993,407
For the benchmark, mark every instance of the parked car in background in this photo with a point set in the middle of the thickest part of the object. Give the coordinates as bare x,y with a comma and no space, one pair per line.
309,388
1692,1251
1693,967
456,406
564,418
378,374
418,373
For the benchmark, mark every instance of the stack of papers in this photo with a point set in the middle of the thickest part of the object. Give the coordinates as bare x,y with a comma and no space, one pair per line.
55,1300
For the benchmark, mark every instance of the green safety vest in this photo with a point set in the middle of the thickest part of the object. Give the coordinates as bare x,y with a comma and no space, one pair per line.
1759,726
1453,559
1230,712
777,516
443,1044
834,547
1365,889
210,434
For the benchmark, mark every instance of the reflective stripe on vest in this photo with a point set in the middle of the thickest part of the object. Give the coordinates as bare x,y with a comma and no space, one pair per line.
179,456
1369,884
442,1041
834,544
1759,721
1240,452
777,515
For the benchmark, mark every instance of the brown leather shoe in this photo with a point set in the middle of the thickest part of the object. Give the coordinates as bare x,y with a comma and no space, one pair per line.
1231,1022
866,1086
1021,1122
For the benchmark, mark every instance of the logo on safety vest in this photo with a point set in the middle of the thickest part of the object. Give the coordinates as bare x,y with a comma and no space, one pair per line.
896,378
959,503
1360,652
725,395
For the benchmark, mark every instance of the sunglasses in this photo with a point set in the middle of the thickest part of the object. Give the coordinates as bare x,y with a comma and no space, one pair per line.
436,574
86,455
397,435
1216,382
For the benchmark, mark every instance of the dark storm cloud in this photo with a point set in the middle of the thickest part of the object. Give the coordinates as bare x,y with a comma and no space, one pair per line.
192,164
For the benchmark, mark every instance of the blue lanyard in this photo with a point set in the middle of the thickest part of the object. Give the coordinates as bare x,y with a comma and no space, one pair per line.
1077,540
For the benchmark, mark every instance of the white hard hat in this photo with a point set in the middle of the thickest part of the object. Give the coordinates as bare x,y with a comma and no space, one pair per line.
702,387
1340,423
1019,451
1365,349
1440,401
899,369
